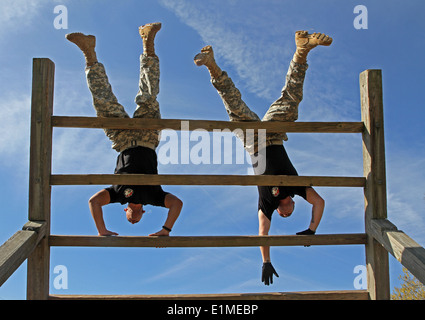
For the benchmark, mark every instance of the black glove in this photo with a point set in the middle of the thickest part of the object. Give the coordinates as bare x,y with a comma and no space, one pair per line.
307,232
267,275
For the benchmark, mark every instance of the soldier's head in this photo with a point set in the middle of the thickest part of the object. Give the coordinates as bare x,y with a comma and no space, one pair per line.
134,212
286,207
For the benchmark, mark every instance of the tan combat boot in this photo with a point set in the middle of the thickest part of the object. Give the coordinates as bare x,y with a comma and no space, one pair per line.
305,42
148,32
87,44
206,57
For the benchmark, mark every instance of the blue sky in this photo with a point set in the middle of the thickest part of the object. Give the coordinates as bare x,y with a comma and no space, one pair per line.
253,42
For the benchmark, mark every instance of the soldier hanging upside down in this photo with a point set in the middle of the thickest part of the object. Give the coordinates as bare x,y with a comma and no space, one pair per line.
136,147
272,155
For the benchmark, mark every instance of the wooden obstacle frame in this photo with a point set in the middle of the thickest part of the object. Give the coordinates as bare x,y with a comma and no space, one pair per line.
381,237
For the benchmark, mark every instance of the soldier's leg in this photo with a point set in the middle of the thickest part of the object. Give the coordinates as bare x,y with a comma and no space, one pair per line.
231,96
236,108
104,100
285,108
147,104
146,98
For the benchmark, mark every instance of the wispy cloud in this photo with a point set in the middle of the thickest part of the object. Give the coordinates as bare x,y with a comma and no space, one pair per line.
18,14
78,150
258,48
406,195
74,150
250,53
193,263
20,9
176,269
14,129
82,151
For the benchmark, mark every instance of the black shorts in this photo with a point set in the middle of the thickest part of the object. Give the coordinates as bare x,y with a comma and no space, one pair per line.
138,160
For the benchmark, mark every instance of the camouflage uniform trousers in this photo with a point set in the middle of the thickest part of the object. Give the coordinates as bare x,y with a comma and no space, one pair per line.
283,109
106,104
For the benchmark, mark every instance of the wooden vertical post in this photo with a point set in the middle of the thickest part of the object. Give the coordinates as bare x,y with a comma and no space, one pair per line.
374,172
39,175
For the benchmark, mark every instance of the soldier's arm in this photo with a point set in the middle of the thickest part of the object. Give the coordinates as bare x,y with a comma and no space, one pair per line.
96,202
174,206
318,207
263,230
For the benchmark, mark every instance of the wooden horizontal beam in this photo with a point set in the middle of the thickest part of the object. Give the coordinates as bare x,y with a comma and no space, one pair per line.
408,252
209,125
206,241
18,248
180,179
306,295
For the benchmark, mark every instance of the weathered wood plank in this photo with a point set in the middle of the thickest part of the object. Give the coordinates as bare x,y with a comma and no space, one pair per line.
15,251
209,125
374,172
176,179
207,241
306,295
19,247
407,251
40,170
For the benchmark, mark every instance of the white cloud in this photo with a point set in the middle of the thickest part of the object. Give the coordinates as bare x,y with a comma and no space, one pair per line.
19,14
13,10
14,130
406,195
258,45
196,260
74,150
176,269
82,151
250,51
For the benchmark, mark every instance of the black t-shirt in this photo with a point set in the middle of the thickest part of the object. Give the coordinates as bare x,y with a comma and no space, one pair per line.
277,162
139,160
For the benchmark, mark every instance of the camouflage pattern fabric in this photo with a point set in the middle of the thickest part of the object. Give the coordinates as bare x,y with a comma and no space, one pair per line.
284,108
106,104
236,108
